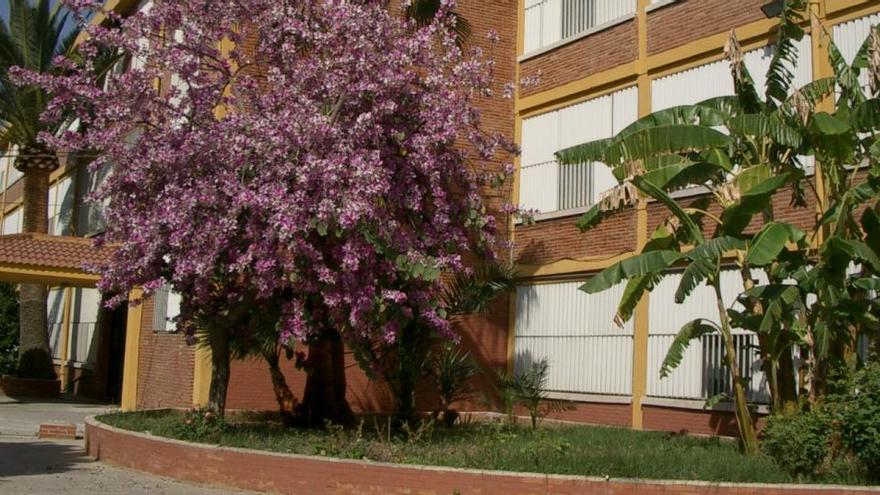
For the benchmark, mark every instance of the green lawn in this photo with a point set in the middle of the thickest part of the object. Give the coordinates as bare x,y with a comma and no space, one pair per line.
573,450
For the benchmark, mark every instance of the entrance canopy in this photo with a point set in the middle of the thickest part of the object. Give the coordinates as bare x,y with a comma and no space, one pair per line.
50,260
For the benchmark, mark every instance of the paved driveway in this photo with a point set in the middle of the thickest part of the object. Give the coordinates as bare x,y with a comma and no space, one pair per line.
30,466
22,417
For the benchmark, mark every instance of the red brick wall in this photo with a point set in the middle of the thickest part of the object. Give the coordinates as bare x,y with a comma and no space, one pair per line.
297,474
692,421
165,366
552,240
485,337
690,20
803,217
589,55
597,414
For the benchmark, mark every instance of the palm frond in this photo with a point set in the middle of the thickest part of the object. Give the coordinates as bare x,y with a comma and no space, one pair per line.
424,11
471,292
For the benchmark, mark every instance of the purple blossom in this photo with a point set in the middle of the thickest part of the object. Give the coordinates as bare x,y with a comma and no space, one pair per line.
349,150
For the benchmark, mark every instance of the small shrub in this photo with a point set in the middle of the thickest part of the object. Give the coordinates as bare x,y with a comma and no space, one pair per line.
800,444
860,418
8,329
531,388
528,389
200,425
452,369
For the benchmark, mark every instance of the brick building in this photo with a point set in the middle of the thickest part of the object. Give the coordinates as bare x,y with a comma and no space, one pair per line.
598,65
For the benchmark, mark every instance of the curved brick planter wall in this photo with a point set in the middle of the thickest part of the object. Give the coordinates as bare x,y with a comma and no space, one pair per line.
298,474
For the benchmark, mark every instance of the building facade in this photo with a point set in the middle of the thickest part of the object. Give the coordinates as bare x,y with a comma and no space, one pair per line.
593,67
590,68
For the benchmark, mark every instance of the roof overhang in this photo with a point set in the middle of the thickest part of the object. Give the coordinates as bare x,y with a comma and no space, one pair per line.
50,260
35,274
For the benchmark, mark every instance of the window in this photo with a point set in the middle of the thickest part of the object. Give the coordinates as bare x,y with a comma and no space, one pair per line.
550,21
577,16
588,353
61,206
90,219
166,307
544,184
12,222
701,374
84,326
714,79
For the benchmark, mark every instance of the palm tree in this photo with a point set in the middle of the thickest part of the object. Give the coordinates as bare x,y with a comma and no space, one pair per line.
34,35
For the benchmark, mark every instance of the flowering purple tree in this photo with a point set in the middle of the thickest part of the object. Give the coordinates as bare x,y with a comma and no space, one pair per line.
324,156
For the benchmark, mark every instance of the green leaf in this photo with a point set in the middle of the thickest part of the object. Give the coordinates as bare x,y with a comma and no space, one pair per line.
694,231
778,300
766,128
770,241
652,262
815,91
728,106
632,294
737,217
851,199
752,177
871,226
868,283
824,123
785,58
866,115
693,275
839,253
593,151
662,140
713,401
590,219
699,114
847,77
690,331
705,263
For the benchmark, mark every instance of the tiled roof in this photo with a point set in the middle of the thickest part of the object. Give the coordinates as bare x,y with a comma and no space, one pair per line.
51,252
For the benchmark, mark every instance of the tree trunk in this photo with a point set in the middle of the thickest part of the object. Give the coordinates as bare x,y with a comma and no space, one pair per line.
788,387
35,356
747,434
413,347
324,397
219,340
287,403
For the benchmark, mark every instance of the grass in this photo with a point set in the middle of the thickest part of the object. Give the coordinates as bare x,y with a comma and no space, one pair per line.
570,450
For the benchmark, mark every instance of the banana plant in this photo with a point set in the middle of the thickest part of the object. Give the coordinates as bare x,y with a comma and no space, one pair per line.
744,149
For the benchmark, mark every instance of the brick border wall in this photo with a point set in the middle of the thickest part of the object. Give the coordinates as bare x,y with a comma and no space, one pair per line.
299,474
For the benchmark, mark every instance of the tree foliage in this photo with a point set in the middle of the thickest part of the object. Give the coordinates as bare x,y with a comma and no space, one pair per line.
327,155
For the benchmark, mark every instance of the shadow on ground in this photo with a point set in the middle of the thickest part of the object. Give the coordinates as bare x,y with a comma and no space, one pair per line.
28,458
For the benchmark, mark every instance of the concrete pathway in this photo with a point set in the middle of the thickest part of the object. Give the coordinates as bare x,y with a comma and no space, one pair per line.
22,417
30,466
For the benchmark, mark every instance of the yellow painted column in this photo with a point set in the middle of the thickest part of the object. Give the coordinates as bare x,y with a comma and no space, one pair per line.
514,187
641,317
819,39
66,327
201,376
132,351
